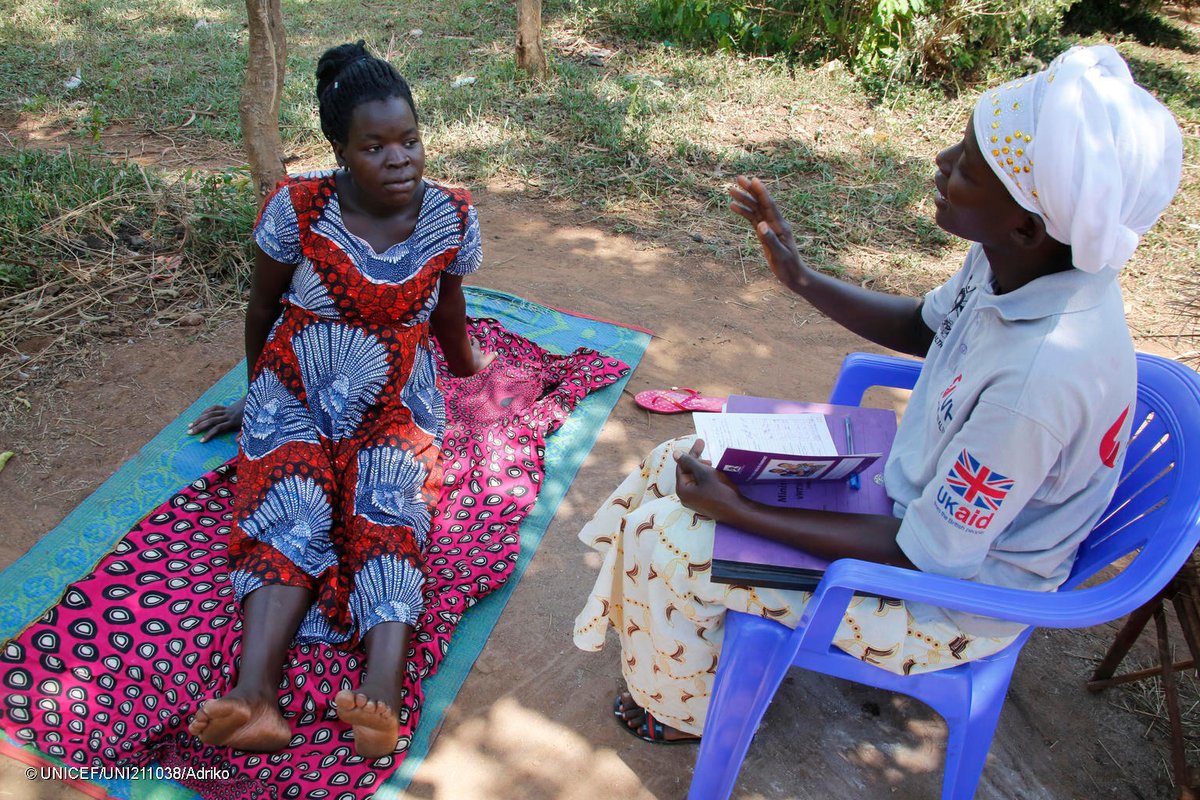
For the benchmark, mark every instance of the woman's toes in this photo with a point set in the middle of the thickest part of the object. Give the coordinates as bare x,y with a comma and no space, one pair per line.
375,725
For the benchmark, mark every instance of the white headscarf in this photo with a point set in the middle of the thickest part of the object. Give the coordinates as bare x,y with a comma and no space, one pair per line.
1108,155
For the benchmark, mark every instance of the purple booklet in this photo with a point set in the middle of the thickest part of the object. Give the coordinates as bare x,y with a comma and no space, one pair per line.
744,466
744,558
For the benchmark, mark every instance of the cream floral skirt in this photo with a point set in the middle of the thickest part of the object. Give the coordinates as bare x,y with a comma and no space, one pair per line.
654,589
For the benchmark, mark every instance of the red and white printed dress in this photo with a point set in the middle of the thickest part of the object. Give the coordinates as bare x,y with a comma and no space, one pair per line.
339,464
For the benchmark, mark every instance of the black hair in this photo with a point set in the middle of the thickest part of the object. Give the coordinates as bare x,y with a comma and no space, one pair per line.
347,77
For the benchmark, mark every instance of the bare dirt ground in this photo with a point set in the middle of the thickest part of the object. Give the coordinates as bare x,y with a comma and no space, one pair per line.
533,719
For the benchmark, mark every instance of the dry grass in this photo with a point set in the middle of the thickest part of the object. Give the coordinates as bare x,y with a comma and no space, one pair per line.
1145,699
101,252
1188,311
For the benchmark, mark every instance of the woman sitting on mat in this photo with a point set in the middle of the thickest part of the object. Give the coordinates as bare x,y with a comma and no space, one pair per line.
1020,413
338,462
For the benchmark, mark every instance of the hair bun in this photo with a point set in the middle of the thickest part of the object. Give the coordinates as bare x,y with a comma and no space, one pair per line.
335,60
347,76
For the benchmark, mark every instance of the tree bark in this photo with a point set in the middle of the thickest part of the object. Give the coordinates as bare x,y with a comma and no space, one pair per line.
261,94
530,56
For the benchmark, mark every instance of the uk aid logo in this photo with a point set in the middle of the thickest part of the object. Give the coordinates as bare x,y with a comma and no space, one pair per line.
972,493
945,409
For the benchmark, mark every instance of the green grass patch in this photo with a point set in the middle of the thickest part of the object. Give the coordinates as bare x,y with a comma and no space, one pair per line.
153,61
645,137
66,212
59,207
643,132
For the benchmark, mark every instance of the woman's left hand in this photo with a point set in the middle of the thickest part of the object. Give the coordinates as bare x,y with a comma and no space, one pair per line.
703,488
216,420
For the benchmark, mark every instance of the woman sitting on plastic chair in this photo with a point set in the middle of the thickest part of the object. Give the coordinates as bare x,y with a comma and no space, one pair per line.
1018,419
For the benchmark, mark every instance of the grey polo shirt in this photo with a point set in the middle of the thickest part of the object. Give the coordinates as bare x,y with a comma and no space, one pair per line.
1014,435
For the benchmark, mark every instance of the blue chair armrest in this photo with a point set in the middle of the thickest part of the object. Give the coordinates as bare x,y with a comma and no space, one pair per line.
861,371
1069,609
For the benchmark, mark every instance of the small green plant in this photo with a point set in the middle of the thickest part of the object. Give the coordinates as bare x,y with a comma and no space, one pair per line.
35,104
95,122
217,226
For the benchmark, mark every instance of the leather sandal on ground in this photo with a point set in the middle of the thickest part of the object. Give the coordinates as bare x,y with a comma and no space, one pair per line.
651,730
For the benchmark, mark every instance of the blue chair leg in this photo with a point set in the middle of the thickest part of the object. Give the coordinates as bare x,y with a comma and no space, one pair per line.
755,657
971,733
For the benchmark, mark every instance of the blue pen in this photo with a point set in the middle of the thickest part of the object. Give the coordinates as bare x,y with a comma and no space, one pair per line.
854,483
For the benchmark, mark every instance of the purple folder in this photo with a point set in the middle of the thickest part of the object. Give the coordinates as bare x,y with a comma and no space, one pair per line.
744,558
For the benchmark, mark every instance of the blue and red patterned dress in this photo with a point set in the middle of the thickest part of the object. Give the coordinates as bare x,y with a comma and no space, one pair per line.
339,464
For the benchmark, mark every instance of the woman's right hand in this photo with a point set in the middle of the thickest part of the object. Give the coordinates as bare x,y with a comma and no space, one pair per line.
481,359
752,201
701,487
216,420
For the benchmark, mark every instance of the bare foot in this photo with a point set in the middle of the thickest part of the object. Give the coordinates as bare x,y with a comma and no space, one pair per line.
374,723
644,725
241,724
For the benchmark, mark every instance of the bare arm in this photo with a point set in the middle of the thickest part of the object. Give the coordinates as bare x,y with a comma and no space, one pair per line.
449,323
889,320
828,534
270,280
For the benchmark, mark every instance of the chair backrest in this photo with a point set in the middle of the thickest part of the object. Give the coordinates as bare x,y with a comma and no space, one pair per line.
1156,507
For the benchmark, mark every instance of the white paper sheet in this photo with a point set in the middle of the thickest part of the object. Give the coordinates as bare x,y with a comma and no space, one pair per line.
802,434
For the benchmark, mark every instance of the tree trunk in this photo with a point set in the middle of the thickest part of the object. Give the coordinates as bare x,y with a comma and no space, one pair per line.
261,93
530,56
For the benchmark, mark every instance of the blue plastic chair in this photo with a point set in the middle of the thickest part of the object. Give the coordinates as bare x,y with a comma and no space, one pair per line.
1156,510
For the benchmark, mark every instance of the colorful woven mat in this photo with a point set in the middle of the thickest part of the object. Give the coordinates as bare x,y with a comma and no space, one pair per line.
173,459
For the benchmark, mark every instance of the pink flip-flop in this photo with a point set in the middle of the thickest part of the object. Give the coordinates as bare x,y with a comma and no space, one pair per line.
677,400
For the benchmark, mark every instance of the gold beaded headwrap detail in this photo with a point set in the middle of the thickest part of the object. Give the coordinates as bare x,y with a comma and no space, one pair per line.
1005,124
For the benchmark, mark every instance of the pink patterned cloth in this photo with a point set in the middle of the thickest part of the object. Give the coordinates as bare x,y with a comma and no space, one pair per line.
113,674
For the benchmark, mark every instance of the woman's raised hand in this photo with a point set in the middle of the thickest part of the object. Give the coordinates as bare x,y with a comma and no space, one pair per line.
216,420
752,201
703,488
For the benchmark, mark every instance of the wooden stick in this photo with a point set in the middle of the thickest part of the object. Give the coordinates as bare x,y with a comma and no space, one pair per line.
1130,677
